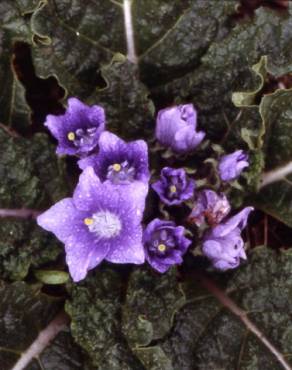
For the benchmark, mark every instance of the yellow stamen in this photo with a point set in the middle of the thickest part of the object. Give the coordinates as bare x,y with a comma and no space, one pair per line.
88,221
172,189
71,136
162,247
117,167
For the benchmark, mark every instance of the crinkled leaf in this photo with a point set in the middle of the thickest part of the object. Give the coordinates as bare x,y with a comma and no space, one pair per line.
31,175
23,244
24,312
148,295
14,26
272,143
206,335
276,198
95,309
77,33
116,329
229,60
129,111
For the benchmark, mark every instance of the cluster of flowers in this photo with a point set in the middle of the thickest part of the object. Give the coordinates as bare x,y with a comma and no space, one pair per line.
103,219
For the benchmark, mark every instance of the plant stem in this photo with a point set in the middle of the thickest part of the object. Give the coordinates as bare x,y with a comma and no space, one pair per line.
42,341
129,31
276,175
19,213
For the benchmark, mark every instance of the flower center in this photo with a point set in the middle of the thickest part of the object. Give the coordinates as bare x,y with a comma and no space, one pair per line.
71,136
83,137
117,167
121,173
104,224
172,189
161,247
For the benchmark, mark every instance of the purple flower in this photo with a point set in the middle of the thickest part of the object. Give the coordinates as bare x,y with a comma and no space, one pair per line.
210,207
101,221
118,161
176,128
231,165
164,244
223,244
174,187
78,130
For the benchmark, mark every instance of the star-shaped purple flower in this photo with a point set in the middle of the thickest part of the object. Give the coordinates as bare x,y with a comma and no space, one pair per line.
119,162
210,207
231,165
174,187
101,221
223,244
165,244
176,128
78,130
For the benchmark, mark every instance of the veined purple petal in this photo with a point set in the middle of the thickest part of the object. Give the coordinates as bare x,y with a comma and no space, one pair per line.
164,244
231,165
119,162
176,128
78,130
174,187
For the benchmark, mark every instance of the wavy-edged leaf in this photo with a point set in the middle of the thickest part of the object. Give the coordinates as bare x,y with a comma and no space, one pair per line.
95,310
276,197
206,335
149,295
14,26
129,110
226,67
31,175
24,312
73,39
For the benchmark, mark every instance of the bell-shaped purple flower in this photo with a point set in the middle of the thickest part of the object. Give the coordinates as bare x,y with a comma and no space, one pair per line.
174,186
78,130
223,244
164,244
101,221
119,162
176,128
209,207
231,165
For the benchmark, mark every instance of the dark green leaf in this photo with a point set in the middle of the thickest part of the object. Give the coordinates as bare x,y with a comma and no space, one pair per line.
116,330
14,26
24,244
31,174
95,309
151,302
24,312
125,99
207,336
276,198
226,67
77,34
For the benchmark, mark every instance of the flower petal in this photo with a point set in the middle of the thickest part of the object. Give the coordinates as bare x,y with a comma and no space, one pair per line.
129,249
85,194
83,254
63,219
237,221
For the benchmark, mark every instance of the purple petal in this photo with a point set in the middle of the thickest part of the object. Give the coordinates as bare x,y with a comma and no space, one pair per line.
83,254
63,219
85,194
129,249
89,161
237,221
